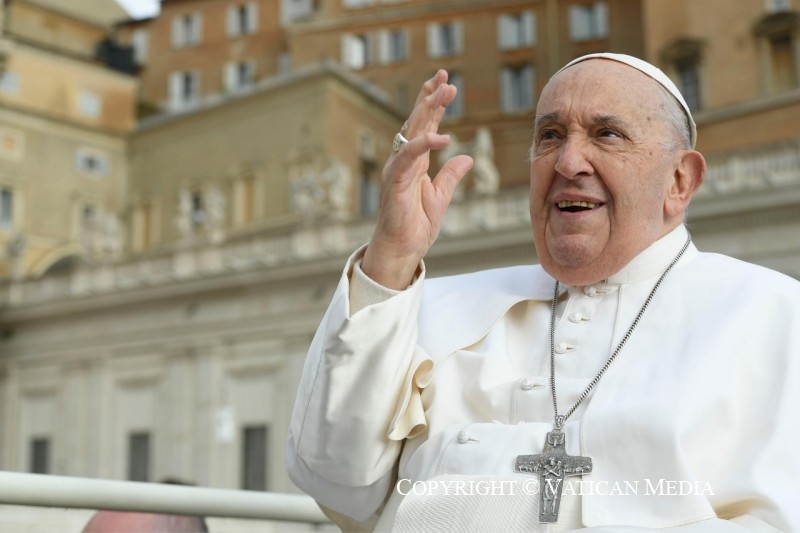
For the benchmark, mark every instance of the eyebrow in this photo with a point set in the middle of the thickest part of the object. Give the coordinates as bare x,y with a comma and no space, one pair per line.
612,120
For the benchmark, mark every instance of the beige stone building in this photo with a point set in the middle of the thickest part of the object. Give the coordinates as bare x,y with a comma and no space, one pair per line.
63,120
178,354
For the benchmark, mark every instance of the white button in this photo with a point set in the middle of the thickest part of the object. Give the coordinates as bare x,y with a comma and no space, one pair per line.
526,384
575,317
462,437
590,291
561,347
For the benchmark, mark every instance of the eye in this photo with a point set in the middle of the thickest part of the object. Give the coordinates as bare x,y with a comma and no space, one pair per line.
548,135
605,132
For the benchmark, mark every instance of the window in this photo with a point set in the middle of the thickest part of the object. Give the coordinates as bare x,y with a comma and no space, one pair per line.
139,42
254,458
39,462
239,75
516,86
187,30
689,82
9,83
369,189
445,39
456,107
91,161
356,50
782,65
6,208
242,19
588,22
89,104
777,35
393,46
357,3
775,6
516,30
184,89
139,456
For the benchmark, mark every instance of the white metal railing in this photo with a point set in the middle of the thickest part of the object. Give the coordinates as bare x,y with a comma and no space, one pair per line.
84,493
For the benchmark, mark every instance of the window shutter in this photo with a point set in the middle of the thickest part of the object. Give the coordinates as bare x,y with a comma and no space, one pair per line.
252,17
458,36
577,23
175,90
232,22
506,90
197,28
178,38
504,32
196,92
434,41
528,28
527,86
229,76
139,42
351,56
600,20
384,47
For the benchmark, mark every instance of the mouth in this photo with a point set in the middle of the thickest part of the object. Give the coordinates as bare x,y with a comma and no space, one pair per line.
574,206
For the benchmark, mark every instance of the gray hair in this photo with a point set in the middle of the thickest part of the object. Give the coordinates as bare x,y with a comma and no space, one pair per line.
676,117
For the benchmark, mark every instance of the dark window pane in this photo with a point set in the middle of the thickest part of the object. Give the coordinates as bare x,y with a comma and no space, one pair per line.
139,456
40,456
254,458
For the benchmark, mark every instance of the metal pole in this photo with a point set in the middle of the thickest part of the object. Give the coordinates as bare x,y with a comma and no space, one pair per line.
84,493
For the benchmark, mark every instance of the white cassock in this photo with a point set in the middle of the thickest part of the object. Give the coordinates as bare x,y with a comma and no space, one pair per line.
693,427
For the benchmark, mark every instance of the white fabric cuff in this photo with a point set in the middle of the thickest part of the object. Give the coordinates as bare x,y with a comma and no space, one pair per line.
365,292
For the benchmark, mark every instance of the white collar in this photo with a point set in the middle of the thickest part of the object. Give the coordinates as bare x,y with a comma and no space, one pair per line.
654,259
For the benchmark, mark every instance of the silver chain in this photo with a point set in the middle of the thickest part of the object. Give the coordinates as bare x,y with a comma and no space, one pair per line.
560,419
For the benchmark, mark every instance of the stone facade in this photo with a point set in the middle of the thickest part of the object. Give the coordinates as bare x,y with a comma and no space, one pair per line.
182,319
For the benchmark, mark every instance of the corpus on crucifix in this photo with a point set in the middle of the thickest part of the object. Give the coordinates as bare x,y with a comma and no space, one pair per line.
552,466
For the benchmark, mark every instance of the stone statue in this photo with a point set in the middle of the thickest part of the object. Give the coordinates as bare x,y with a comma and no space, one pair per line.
486,178
215,212
338,181
183,217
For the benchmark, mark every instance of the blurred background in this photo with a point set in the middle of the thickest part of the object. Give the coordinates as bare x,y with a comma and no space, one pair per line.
181,182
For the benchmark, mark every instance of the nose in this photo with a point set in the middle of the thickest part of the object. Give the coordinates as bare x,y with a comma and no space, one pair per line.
572,162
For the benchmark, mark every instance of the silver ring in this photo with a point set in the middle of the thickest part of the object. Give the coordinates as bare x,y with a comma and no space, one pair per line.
398,141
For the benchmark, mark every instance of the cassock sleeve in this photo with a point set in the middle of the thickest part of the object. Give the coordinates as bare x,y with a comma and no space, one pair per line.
340,452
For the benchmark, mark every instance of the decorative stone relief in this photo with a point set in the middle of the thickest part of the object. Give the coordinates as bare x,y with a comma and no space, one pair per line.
483,179
318,188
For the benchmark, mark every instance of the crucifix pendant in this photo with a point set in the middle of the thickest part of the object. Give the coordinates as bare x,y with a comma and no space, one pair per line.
552,466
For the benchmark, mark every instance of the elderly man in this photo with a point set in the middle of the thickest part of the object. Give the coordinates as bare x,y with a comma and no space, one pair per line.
643,383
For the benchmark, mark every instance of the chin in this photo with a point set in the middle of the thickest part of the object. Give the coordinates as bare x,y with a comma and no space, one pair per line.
574,261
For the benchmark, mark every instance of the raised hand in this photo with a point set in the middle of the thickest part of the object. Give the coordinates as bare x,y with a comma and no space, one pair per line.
412,205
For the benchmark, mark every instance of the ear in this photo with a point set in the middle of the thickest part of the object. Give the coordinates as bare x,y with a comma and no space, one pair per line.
687,179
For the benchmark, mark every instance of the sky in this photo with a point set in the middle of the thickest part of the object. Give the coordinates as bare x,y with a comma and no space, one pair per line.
140,8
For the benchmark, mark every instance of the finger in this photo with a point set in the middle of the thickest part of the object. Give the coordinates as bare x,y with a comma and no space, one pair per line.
413,151
427,115
431,85
451,175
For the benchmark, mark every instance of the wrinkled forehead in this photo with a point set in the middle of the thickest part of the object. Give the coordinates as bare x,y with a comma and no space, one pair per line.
598,87
609,72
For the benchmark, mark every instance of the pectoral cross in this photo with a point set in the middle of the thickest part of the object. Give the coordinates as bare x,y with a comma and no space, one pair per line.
552,466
